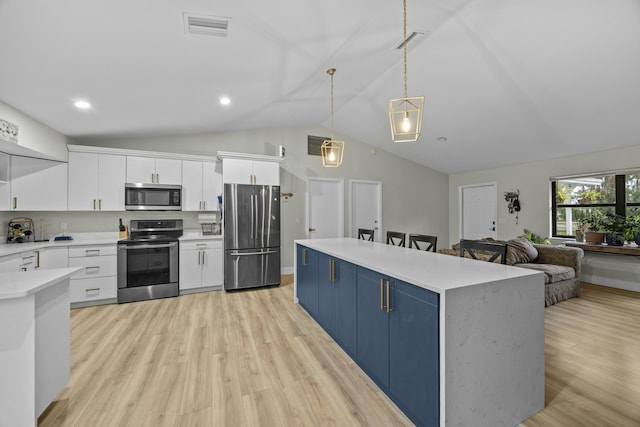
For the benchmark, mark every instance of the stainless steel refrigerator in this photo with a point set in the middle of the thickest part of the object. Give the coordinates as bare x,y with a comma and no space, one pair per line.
251,236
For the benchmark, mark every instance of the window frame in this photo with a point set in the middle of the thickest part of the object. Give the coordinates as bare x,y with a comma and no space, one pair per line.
620,204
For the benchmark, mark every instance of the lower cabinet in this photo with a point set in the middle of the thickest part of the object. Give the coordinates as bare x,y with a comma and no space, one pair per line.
201,264
307,279
389,327
98,279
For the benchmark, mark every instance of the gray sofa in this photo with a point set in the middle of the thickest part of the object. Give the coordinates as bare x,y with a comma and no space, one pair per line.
560,265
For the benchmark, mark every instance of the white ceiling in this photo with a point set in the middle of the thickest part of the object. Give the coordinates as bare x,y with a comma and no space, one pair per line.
505,81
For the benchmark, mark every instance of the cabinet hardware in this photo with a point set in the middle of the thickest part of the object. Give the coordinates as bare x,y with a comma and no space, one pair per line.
332,270
94,204
92,252
204,260
304,257
389,310
95,269
15,203
311,229
99,204
37,259
382,307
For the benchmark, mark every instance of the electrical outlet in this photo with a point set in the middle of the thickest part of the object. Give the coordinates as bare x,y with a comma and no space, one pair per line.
63,226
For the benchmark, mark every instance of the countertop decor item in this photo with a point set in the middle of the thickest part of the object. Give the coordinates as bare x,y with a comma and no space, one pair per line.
20,230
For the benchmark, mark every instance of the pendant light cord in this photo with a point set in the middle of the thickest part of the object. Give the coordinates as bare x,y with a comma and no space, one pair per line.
404,18
331,71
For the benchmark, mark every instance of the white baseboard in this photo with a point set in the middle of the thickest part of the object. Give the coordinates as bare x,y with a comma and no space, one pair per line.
286,270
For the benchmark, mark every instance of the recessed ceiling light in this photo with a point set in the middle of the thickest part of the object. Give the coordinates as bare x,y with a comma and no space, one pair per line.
441,139
82,105
225,100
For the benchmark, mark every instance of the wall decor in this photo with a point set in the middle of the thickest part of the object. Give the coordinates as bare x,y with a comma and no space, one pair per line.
513,197
8,131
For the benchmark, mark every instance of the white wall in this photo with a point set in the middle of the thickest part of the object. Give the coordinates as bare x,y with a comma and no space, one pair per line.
33,136
414,197
532,179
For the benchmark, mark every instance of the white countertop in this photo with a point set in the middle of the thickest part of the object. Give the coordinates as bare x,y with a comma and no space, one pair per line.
435,272
22,283
83,239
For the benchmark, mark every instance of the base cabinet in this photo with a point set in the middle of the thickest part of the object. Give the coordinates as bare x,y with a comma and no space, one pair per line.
201,264
98,280
389,327
307,279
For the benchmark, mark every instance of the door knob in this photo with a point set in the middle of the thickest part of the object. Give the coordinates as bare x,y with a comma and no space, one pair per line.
311,229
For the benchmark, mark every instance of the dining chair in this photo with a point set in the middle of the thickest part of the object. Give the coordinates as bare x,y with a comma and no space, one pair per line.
494,249
396,238
365,234
423,242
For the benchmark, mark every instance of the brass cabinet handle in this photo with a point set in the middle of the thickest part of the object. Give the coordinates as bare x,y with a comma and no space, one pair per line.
99,204
382,294
37,259
389,310
332,270
304,257
94,204
15,203
311,229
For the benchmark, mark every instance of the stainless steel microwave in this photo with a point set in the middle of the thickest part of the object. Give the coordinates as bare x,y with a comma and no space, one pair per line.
152,197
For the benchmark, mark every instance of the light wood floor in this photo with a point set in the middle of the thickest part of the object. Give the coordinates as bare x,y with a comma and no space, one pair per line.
256,359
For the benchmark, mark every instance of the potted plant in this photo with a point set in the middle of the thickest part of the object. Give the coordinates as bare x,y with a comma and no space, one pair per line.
593,224
616,227
579,232
633,229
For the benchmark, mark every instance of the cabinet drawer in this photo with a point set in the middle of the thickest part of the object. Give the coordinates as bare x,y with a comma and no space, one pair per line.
91,251
200,245
95,266
92,289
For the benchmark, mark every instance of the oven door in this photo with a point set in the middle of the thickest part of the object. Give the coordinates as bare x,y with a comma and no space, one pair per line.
147,263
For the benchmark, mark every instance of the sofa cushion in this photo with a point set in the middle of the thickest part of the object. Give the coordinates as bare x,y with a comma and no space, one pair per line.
520,251
552,273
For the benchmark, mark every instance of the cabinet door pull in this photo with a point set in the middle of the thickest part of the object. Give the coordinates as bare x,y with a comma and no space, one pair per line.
332,270
92,252
15,203
99,204
304,257
92,269
382,307
94,204
37,259
204,260
389,310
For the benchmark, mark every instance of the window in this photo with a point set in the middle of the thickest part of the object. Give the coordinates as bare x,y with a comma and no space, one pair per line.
575,197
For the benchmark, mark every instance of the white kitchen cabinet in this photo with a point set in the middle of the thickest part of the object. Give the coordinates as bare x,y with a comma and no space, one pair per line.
96,182
23,261
243,171
201,185
201,264
98,280
154,170
38,184
5,182
52,257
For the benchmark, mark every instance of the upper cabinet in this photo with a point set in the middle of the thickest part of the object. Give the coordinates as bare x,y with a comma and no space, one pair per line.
239,168
96,182
154,170
38,184
5,182
201,185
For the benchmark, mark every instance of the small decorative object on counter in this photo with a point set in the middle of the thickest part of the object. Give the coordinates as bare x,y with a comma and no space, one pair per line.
20,230
209,224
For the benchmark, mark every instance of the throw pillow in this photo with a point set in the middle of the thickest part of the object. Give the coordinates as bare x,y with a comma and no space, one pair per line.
520,251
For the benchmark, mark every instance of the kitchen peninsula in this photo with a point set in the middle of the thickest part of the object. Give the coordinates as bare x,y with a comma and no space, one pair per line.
452,341
35,346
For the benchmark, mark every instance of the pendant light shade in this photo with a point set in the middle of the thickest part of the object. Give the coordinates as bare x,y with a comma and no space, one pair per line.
332,150
405,114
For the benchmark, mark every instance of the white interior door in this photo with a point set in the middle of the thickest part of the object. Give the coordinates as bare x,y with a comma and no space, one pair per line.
478,211
365,199
325,208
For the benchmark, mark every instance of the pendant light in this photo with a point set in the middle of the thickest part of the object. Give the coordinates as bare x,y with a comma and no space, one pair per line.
332,150
405,114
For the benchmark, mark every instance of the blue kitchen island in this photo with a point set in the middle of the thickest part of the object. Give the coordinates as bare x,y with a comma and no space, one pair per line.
452,341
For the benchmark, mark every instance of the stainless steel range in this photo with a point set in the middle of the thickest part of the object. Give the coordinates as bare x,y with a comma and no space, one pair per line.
148,261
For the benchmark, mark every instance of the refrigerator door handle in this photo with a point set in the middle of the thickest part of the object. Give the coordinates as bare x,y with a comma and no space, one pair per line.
253,213
252,253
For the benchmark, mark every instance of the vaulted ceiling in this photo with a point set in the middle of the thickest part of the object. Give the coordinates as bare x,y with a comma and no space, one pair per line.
505,81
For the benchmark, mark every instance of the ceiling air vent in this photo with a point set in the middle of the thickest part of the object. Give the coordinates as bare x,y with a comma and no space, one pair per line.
207,25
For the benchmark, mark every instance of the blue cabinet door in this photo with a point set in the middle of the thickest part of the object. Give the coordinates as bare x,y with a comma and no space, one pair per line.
337,300
307,279
413,353
326,293
373,326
